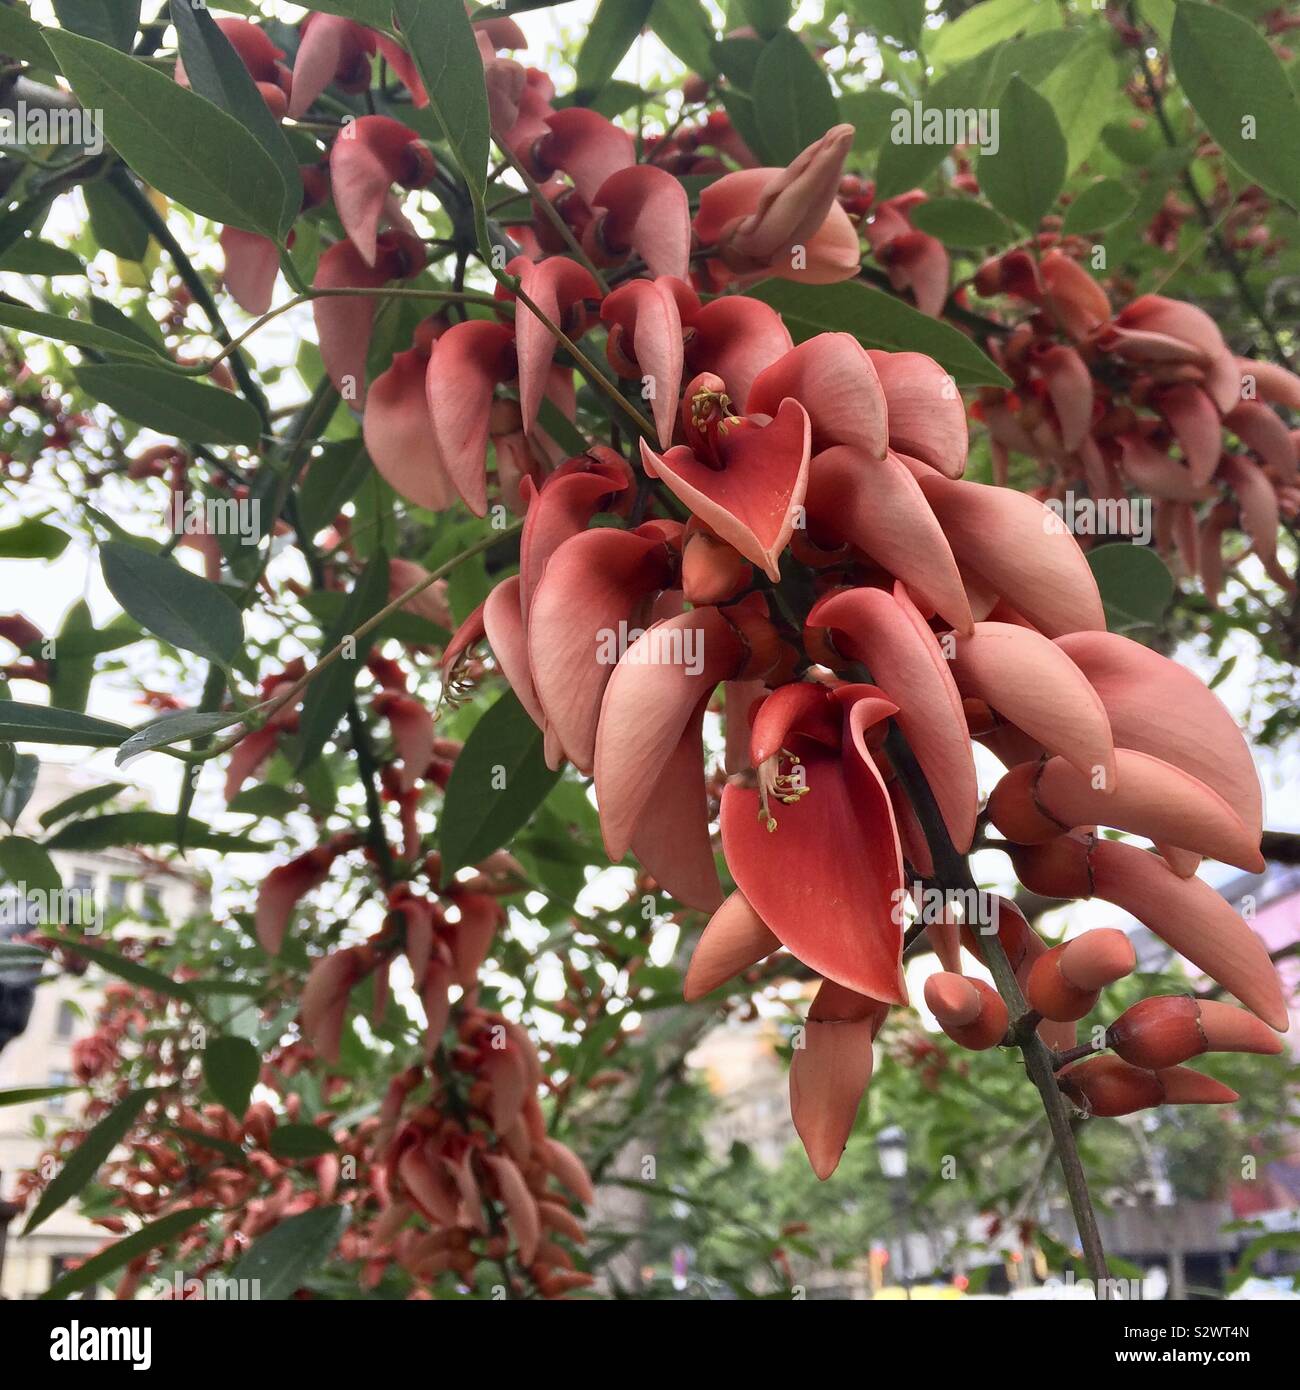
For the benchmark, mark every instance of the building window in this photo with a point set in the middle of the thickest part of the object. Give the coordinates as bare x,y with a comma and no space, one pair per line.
117,893
67,1021
153,908
58,1078
83,881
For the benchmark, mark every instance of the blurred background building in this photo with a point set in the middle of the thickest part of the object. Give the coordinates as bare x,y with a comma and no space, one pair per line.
44,1012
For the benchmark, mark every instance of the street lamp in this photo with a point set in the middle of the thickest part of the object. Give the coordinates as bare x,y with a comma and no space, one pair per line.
891,1145
891,1148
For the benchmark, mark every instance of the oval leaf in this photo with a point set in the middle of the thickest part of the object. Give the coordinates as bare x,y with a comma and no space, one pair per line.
217,72
231,1067
1240,90
1135,585
613,30
1099,206
172,603
1023,178
793,101
960,222
173,138
282,1259
301,1141
496,784
442,42
24,862
170,403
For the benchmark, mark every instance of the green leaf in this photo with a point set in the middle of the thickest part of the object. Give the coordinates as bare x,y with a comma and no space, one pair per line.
1034,57
173,138
281,1260
378,14
80,801
231,1067
686,31
877,320
1159,14
793,101
45,724
1100,205
904,160
73,667
264,799
1023,178
88,1157
124,968
1240,90
114,23
23,861
961,222
870,114
497,783
613,30
172,603
769,17
329,694
1136,586
442,43
144,828
300,1141
114,223
903,20
983,25
21,37
92,1270
171,404
32,539
78,332
172,728
217,72
30,256
24,1095
331,481
19,784
1081,92
112,318
736,58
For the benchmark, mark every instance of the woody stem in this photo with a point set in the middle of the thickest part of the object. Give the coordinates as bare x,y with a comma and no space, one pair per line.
953,874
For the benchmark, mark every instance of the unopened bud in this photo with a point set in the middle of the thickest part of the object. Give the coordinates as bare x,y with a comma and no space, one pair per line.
970,1012
1168,1029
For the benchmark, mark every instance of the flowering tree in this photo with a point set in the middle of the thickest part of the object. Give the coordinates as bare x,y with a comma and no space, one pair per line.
688,477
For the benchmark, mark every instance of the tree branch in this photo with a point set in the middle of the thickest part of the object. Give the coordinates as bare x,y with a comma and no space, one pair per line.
953,873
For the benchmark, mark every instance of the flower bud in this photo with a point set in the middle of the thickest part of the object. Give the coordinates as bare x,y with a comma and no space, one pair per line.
970,1012
1057,869
1109,1086
1064,982
1168,1029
